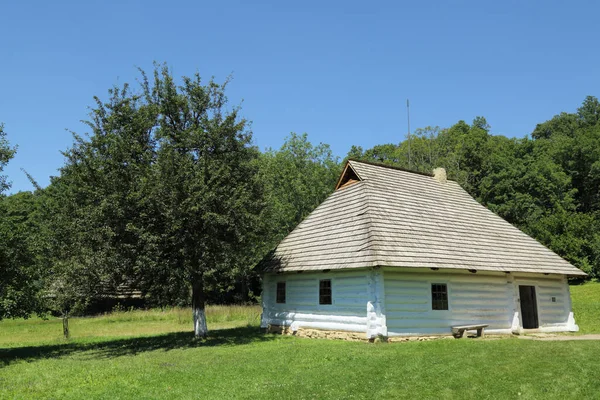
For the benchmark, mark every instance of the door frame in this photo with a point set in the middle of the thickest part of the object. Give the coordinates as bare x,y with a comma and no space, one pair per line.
537,302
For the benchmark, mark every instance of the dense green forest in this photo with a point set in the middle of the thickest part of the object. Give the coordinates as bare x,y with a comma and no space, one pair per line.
167,194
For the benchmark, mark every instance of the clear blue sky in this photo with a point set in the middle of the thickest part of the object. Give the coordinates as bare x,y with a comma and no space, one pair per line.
340,71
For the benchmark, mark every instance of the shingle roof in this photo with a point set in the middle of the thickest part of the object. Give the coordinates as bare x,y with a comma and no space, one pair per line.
396,218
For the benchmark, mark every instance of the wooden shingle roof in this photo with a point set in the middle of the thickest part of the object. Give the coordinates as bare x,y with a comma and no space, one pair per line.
396,218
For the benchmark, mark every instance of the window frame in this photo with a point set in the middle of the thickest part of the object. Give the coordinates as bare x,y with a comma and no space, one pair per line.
277,292
330,292
434,301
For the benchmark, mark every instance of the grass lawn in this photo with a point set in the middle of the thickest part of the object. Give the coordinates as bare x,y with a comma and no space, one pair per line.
152,355
37,331
586,306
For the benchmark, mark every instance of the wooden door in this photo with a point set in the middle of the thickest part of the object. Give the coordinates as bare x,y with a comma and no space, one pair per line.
529,314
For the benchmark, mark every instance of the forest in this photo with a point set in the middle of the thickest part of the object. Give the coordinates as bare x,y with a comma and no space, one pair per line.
167,194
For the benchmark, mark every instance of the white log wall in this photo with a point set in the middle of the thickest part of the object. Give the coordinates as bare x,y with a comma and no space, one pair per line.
348,311
472,299
553,315
397,302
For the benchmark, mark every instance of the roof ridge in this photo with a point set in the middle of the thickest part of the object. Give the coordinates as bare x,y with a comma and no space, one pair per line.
391,167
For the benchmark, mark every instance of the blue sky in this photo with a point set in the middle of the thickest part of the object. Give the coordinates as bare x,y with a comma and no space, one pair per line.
339,70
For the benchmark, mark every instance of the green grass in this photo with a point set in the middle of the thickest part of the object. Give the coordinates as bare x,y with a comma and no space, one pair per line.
151,354
123,323
586,306
242,363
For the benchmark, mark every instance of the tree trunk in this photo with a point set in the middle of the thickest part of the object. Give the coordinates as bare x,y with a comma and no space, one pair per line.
65,321
245,288
200,329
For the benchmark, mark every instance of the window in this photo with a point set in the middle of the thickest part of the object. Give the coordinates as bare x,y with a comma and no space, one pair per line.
325,291
439,296
280,292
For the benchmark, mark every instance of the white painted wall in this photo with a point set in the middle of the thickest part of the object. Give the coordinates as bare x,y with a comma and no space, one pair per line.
472,299
397,301
553,316
480,298
302,309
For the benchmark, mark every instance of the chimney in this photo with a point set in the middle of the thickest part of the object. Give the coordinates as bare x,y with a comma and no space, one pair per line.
439,174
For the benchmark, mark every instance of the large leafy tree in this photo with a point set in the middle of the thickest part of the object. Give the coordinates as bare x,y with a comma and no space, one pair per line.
163,194
22,251
573,141
96,208
523,184
205,185
20,246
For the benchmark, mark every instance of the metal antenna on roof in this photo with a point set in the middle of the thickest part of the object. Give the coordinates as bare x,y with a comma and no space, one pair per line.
408,119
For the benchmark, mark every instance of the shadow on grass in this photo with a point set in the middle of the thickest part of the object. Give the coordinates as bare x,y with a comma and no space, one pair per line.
135,345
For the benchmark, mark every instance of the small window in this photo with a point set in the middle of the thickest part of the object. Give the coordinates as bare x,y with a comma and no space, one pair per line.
280,292
325,291
553,299
439,296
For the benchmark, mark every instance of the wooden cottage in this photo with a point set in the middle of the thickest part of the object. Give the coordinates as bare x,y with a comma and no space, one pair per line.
399,253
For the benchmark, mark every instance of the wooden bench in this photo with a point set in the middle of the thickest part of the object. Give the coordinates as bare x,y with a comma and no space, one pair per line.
458,331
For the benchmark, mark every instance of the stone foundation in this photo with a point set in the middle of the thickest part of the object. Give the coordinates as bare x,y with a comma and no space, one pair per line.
318,333
351,336
417,338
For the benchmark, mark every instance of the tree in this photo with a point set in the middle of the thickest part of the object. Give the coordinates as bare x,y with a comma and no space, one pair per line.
573,141
297,178
463,152
97,209
6,154
21,256
589,112
163,194
205,184
20,250
356,152
461,149
424,149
